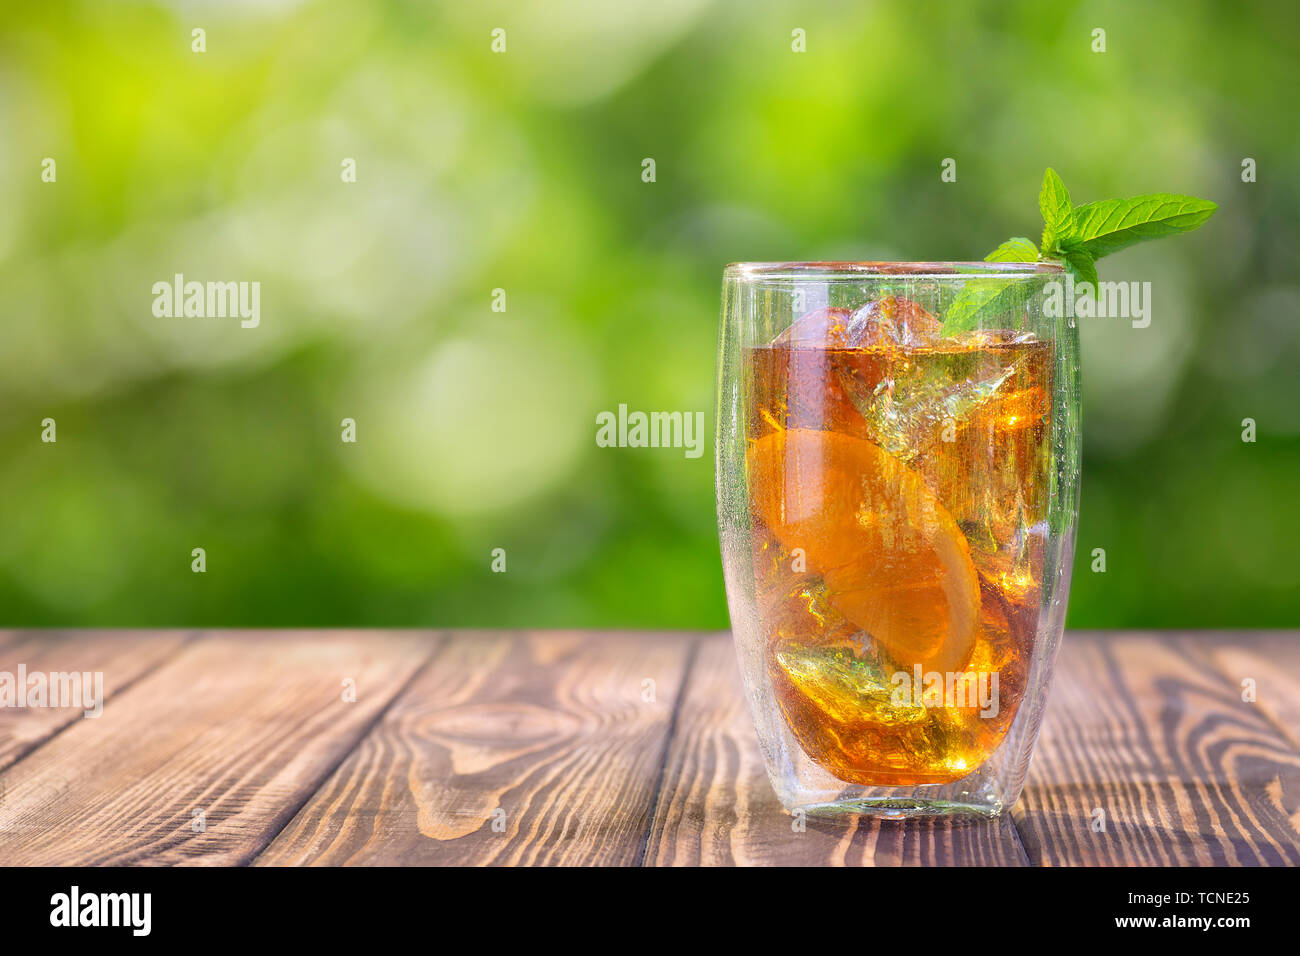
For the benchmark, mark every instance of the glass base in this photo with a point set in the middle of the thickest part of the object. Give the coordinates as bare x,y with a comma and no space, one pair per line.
901,808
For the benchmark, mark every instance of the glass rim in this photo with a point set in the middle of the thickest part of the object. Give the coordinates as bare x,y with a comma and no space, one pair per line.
868,269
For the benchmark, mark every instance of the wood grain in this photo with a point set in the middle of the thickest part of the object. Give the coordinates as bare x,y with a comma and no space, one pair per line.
509,749
1146,729
549,748
242,726
1268,659
122,657
717,807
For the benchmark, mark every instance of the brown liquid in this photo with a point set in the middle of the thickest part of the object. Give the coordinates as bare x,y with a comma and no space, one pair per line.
899,498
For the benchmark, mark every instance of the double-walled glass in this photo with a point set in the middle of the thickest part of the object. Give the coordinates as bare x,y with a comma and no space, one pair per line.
897,475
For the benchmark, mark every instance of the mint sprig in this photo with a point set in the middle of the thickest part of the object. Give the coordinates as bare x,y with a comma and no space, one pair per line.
1076,237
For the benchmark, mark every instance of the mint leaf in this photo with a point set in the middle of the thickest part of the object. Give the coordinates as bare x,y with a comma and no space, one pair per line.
1079,263
1076,237
1113,224
983,300
1058,212
1018,249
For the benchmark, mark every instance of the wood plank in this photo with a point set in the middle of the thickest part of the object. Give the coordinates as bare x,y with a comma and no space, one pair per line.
1269,658
1145,728
717,807
550,729
122,657
240,725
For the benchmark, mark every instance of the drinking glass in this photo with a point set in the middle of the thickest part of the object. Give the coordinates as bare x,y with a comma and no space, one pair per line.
897,487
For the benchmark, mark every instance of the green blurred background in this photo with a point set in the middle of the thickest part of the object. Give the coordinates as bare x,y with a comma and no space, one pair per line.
522,171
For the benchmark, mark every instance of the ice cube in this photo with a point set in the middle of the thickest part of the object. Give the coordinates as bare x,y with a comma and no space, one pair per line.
907,410
892,320
889,320
821,328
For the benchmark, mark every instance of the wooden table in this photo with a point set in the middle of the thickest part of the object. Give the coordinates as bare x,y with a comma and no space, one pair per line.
245,747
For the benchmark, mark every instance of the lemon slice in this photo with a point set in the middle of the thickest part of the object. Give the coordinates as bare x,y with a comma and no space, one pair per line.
894,561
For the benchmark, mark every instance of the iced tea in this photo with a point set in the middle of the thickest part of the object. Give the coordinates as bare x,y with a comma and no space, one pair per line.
899,491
